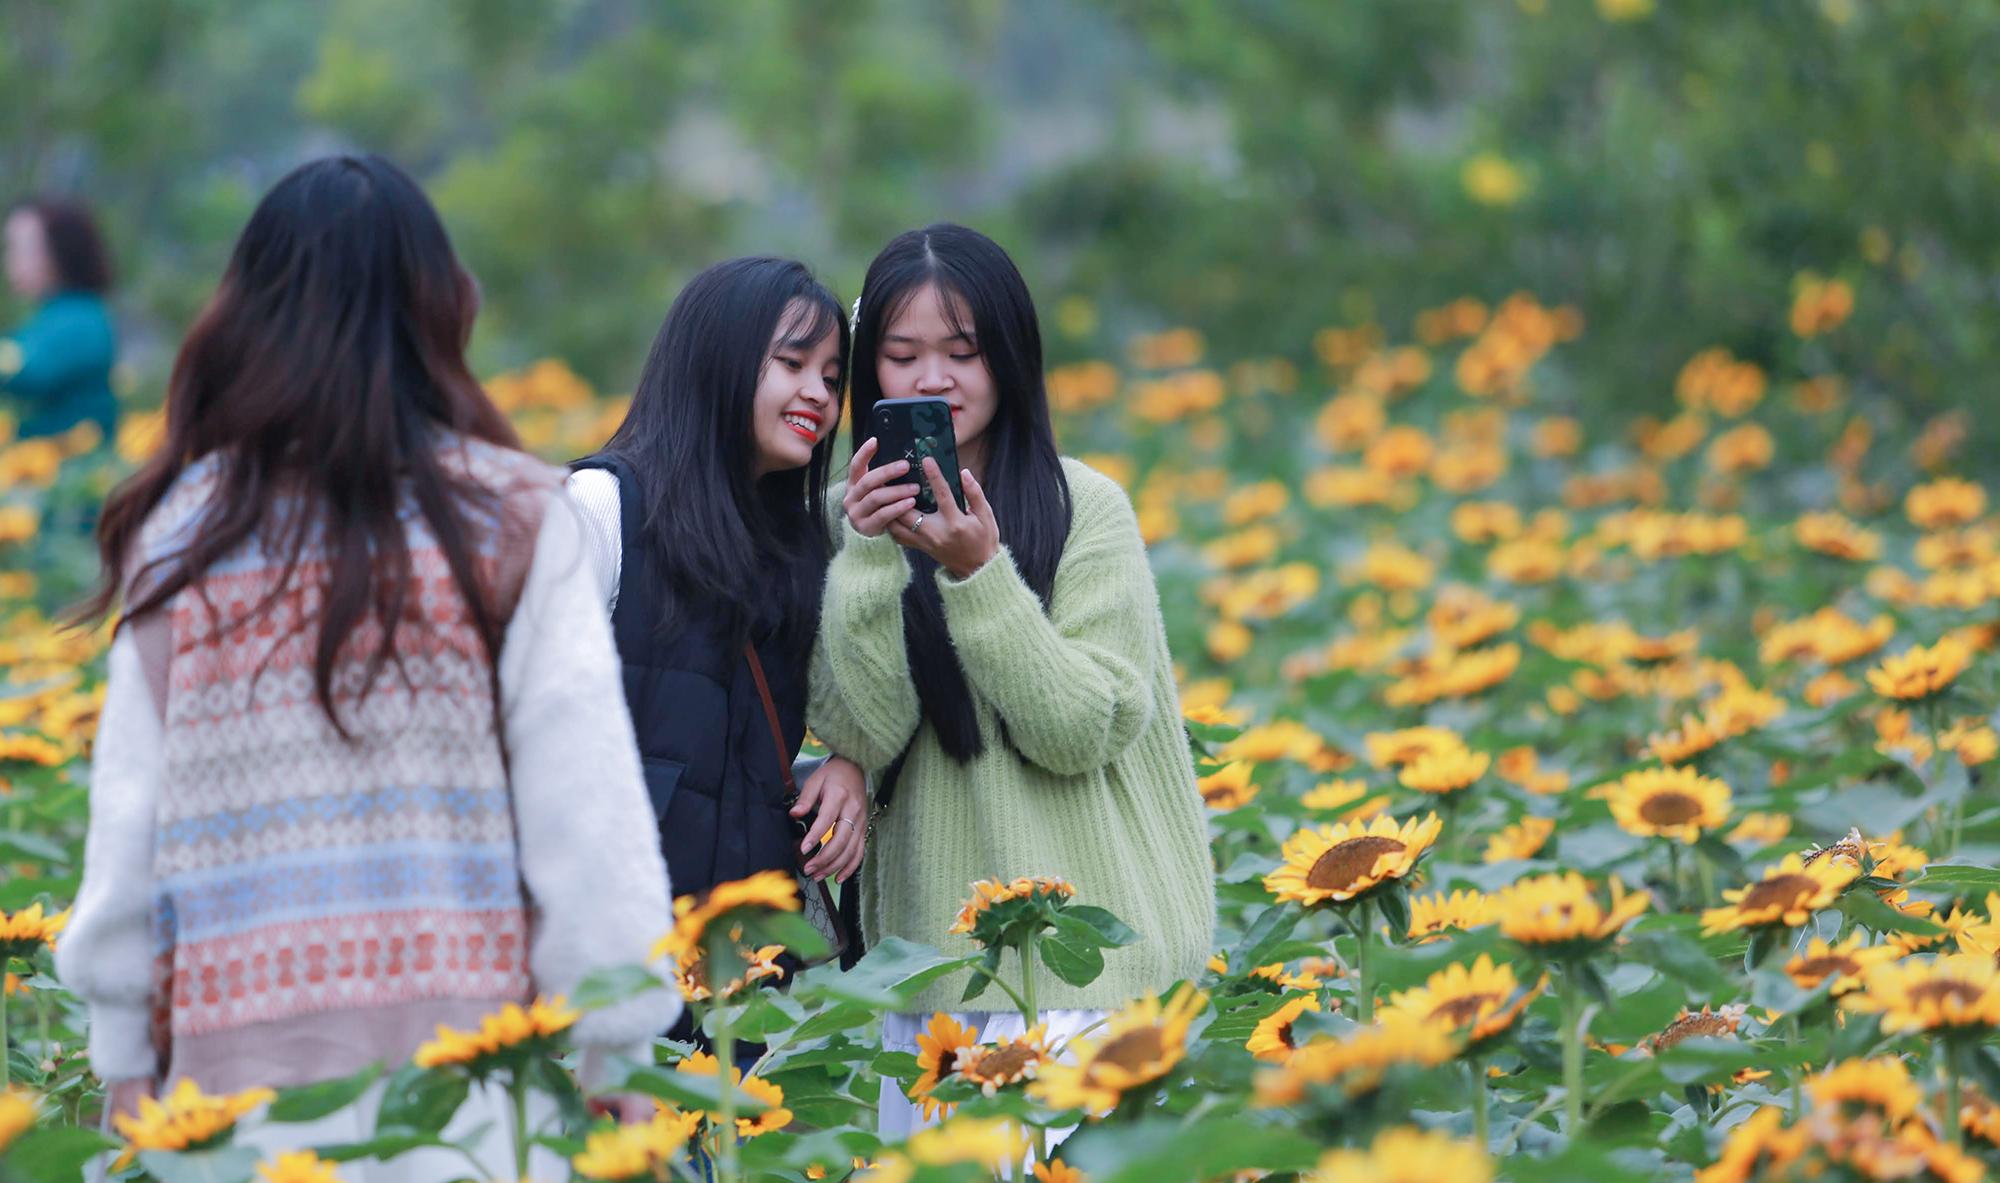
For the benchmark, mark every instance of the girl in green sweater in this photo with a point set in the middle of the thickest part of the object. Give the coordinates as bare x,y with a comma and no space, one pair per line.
1002,671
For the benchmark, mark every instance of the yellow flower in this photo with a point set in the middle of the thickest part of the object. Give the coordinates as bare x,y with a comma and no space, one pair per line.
1228,787
1563,913
1480,522
1345,861
18,1114
1431,915
1016,1060
1272,1040
1943,504
992,1143
1676,803
1919,672
989,893
1391,749
1694,736
1055,1171
776,890
1140,1044
1760,1148
1882,1084
1338,794
299,1167
1401,451
691,972
1491,179
1245,548
941,1049
1521,840
1845,963
1959,990
23,932
1394,567
1285,739
1479,1003
1762,828
1445,772
638,1150
1836,535
1254,502
1820,305
1711,1024
763,1092
188,1119
1745,448
1406,1155
1228,641
509,1027
1786,896
1465,675
1356,1060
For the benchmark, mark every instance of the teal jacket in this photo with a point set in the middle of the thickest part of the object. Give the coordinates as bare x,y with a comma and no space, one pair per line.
55,370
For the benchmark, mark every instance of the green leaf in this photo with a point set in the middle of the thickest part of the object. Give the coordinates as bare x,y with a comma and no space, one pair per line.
1112,932
420,1100
383,1146
1394,904
1704,1060
224,1164
886,977
314,1101
689,1090
1867,910
1161,1150
55,1154
789,929
1958,878
612,984
1073,955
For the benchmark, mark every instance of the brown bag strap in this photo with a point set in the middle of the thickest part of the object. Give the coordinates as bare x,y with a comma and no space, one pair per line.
771,717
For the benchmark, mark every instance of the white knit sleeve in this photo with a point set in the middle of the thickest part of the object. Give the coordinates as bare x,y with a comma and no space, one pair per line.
595,491
590,855
105,955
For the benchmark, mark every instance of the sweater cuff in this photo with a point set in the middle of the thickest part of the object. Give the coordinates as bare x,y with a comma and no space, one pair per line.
990,600
121,1041
878,552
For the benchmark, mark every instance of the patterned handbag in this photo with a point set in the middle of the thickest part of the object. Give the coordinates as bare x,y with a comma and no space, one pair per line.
819,906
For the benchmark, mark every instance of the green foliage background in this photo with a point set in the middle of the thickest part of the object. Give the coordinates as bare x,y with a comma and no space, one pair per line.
1258,170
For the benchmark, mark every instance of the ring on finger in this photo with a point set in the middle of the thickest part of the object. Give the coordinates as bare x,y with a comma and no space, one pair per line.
917,520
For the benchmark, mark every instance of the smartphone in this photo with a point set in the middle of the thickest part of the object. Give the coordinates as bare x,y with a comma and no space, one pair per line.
912,429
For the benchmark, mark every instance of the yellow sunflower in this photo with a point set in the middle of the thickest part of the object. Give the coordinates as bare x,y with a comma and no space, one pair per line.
1760,1148
1676,803
1786,896
1707,1023
776,890
1845,963
1356,1060
1345,861
188,1119
942,1048
1406,1155
1980,1117
1229,786
1432,916
1140,1044
1882,1084
1010,1062
23,932
1338,794
1480,1002
302,1166
989,893
774,1117
1954,992
1944,503
991,1142
1523,839
1055,1171
691,972
1563,914
640,1150
1918,672
18,1114
1393,749
1272,1040
1445,772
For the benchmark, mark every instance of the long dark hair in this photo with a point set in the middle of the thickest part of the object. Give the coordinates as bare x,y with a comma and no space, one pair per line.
318,378
1024,478
716,533
76,249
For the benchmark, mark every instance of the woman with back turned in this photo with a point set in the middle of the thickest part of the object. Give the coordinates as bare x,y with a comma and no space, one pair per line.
363,722
55,368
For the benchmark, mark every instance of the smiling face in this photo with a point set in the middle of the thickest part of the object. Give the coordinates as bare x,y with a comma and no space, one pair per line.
798,393
929,350
30,269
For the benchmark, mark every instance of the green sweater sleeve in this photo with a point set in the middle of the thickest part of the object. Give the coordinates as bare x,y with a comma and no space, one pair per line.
862,702
1073,684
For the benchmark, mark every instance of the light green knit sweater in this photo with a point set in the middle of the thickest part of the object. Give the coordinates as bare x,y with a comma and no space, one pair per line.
1105,796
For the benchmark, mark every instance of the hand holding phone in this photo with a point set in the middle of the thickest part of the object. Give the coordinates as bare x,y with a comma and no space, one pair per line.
961,541
913,430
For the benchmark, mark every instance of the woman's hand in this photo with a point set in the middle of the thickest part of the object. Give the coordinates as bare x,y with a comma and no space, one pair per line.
962,541
838,790
871,501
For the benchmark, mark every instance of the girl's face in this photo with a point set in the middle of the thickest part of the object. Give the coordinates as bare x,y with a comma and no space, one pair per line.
30,270
797,393
923,355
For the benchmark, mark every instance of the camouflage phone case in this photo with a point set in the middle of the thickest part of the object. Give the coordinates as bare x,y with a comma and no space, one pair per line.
913,429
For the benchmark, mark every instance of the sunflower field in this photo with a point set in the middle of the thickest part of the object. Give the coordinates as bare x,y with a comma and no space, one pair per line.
1590,798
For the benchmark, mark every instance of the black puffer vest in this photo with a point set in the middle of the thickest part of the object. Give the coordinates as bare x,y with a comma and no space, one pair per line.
715,780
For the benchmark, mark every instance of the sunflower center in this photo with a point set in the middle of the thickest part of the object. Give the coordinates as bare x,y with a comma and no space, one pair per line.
1459,1012
1945,990
1784,892
947,1062
1004,1063
1821,968
1135,1050
1688,1028
1669,809
1346,863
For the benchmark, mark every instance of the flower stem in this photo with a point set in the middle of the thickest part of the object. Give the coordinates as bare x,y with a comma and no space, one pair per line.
1476,1073
1953,1127
517,1094
1364,1002
1798,1076
6,1048
1572,1049
1030,1015
725,1079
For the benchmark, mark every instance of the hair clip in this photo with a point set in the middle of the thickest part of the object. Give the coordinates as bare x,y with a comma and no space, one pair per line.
854,318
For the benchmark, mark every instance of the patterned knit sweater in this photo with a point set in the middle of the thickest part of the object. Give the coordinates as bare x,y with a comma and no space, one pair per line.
1105,796
265,902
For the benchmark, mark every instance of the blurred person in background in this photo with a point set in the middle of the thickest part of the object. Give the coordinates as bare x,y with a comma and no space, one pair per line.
55,368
